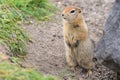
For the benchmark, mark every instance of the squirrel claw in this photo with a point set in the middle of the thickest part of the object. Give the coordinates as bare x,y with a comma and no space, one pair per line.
73,69
89,73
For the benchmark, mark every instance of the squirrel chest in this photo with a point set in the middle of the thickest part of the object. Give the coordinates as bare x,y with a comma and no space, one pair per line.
73,34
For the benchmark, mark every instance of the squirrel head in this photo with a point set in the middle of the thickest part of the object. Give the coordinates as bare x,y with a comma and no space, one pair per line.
72,13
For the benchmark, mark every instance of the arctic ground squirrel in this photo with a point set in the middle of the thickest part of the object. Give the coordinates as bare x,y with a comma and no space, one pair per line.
79,47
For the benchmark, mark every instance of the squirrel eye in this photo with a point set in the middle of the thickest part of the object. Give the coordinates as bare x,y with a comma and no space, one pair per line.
72,11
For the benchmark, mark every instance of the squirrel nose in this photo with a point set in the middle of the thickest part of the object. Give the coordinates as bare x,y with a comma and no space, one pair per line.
63,16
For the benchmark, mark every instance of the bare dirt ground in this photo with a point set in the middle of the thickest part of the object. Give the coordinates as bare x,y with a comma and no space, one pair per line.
47,53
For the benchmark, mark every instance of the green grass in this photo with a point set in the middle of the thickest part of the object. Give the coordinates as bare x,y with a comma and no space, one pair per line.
15,12
10,71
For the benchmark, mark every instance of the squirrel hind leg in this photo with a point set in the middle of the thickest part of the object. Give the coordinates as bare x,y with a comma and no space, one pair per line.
70,59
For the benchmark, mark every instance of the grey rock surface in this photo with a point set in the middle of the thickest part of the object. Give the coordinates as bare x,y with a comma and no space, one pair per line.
108,47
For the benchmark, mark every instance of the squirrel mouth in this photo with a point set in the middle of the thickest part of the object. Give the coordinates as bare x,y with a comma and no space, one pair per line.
64,18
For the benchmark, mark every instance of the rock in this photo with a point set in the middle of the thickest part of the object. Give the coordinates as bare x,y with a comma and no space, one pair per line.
108,47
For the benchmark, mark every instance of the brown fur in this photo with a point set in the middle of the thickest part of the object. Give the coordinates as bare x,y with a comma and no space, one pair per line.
79,47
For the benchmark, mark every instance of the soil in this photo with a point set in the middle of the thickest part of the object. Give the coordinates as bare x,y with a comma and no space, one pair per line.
46,52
